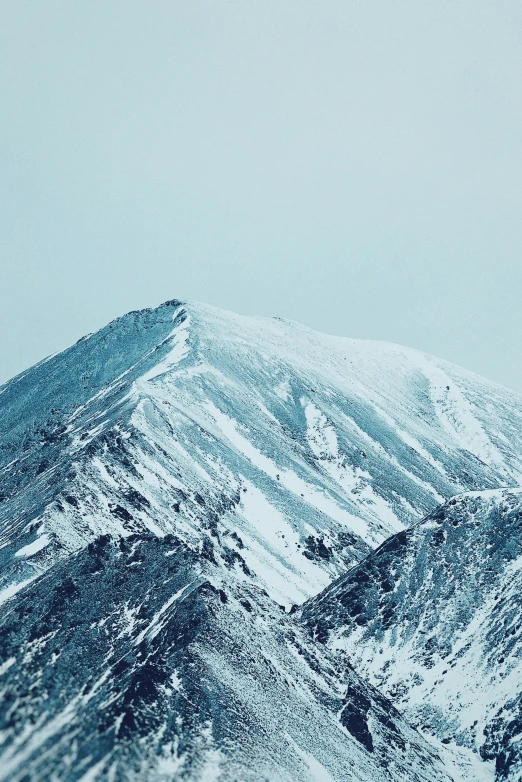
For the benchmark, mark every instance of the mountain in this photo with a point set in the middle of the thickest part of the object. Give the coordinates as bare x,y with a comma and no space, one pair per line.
433,618
172,488
195,421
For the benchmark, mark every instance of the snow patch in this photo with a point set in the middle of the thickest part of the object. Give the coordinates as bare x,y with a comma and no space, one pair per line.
455,414
34,547
12,589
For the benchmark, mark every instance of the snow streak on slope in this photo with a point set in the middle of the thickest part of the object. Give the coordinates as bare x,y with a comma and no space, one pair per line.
433,618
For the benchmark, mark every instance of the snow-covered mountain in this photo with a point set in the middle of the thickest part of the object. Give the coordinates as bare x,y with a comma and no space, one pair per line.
169,486
292,452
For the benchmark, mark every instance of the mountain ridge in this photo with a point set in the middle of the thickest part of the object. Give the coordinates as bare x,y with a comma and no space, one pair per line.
278,459
432,619
367,503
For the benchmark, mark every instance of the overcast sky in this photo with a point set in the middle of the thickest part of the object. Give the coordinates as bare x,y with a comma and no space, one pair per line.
356,166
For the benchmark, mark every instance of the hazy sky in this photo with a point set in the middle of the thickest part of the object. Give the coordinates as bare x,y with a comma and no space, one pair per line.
356,166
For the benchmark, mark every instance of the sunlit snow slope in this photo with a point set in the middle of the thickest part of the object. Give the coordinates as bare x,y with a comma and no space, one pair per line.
288,453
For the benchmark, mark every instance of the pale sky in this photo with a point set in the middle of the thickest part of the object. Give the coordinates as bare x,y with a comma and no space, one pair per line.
356,166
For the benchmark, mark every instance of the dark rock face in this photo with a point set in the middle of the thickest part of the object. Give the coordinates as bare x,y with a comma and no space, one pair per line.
99,653
127,660
354,717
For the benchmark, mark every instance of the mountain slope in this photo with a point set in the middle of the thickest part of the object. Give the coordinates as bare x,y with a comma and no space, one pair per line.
171,487
136,660
433,619
290,452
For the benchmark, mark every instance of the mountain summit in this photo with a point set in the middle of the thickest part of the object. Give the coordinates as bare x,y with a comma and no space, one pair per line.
172,489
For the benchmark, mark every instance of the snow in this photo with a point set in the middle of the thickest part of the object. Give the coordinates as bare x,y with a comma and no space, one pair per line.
12,589
4,667
272,552
288,478
32,738
318,771
154,626
180,348
321,435
456,415
34,547
94,772
463,764
323,442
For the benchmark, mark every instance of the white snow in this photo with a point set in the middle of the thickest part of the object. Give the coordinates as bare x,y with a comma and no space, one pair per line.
12,589
34,547
455,413
316,497
4,667
271,550
180,348
318,771
154,626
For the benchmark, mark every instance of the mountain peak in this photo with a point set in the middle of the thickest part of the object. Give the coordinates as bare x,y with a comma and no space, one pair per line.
275,459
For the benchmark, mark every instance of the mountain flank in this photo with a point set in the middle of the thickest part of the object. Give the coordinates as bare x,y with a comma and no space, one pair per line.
234,548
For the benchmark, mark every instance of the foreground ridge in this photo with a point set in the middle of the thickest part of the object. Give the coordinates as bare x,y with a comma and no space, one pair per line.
148,670
433,619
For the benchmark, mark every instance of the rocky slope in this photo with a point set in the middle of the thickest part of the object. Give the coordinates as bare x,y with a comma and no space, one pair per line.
433,618
132,661
171,487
